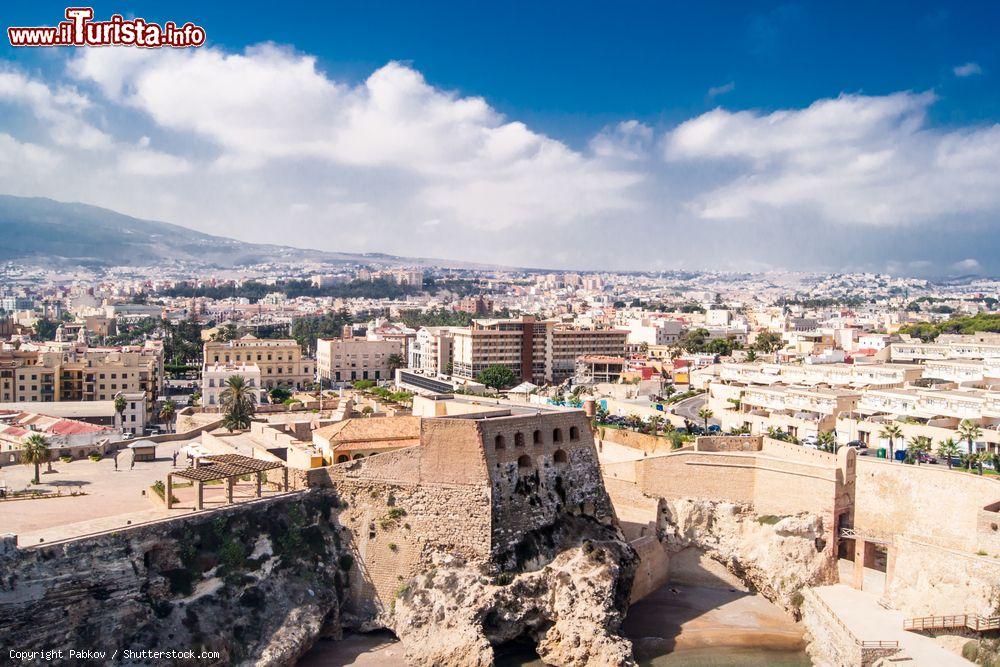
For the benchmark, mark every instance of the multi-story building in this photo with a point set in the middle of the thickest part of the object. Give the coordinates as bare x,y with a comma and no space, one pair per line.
539,351
280,360
60,371
341,360
835,375
983,345
215,377
653,331
431,351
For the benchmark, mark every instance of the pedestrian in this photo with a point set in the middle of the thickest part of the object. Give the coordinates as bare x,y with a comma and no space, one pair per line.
116,462
175,459
132,465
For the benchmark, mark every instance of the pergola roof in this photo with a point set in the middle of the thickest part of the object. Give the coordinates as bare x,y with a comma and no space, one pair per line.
223,466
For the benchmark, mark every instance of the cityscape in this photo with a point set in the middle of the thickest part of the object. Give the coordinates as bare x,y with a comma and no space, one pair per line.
403,371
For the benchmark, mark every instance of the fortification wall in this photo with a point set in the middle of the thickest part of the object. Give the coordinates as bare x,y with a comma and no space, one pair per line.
928,502
708,476
654,567
651,444
541,468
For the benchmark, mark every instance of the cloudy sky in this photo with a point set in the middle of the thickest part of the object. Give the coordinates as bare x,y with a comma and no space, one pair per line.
787,135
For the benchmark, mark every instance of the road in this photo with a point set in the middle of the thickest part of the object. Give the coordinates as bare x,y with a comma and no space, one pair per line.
689,407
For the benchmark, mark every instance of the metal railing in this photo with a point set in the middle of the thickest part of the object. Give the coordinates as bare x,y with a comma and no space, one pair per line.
973,622
861,643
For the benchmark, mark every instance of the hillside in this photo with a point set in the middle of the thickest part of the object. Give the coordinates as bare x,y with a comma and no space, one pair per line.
38,229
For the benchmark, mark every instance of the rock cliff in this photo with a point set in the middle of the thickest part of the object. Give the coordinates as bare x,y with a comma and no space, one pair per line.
776,556
571,608
255,583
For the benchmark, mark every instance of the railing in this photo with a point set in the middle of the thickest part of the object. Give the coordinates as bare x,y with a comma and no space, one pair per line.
973,622
852,534
863,644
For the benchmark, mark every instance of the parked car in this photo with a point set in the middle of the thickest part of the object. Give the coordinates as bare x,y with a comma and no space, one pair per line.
927,458
714,428
857,444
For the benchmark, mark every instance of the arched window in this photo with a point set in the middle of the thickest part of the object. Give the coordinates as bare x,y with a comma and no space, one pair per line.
519,439
536,437
524,461
560,457
574,433
557,435
498,442
358,456
343,458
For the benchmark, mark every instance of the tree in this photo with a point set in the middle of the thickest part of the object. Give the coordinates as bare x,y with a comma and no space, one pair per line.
891,432
654,424
827,441
279,395
919,446
395,361
948,449
35,452
768,341
705,414
496,376
238,402
751,356
969,432
167,412
120,405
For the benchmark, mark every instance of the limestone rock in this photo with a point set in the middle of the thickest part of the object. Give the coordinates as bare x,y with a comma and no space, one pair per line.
572,608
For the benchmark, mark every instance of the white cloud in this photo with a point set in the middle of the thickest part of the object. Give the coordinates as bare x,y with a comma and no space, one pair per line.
968,69
715,91
60,107
628,140
967,265
853,159
271,103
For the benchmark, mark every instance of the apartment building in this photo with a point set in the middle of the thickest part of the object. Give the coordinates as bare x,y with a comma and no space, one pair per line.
215,377
280,360
983,345
834,375
431,351
341,360
799,410
56,372
539,351
653,331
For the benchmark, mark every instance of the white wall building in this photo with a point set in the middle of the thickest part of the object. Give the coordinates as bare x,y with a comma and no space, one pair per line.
214,377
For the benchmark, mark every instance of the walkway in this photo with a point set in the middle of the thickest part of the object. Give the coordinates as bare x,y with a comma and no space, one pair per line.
867,620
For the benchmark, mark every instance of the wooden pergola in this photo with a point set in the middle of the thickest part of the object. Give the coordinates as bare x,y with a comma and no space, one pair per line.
226,467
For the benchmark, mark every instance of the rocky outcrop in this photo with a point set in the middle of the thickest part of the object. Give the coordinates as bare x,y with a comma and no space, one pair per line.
255,583
776,556
571,608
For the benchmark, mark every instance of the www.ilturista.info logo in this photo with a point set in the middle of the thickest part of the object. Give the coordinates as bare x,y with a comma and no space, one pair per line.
79,29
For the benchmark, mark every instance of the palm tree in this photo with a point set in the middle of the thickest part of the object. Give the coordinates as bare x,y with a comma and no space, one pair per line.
654,424
705,415
891,432
238,402
35,451
827,441
751,356
919,445
969,432
393,362
167,412
949,450
120,405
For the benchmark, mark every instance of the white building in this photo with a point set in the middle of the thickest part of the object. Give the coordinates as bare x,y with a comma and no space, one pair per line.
133,419
215,376
341,360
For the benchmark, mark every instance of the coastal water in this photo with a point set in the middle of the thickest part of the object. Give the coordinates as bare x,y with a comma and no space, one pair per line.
673,627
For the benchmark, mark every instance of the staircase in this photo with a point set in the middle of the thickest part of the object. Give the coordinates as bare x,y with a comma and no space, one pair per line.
973,622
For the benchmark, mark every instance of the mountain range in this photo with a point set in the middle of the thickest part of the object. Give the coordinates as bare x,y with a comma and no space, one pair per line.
37,230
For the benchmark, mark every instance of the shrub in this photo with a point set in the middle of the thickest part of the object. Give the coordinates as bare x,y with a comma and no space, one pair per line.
160,490
66,458
768,519
94,457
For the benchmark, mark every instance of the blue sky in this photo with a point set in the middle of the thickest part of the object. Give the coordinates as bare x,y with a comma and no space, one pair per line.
654,118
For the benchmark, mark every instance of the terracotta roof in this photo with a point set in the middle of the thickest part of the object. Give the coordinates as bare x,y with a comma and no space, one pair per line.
371,429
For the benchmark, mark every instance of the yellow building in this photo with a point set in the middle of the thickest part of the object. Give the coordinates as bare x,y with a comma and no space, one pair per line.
280,360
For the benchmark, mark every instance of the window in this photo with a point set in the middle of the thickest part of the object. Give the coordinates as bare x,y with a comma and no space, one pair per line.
519,439
536,437
358,456
524,461
560,457
343,458
574,433
557,435
498,442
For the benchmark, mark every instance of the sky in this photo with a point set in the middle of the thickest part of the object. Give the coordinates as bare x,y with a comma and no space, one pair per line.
621,136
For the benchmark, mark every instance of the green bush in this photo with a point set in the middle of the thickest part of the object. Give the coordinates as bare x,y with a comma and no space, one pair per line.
768,519
66,458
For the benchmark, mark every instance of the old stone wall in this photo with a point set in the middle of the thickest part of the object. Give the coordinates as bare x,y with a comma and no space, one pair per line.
927,502
541,468
653,569
651,444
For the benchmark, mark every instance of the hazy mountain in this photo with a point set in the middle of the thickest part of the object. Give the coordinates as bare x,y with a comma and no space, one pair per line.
35,228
